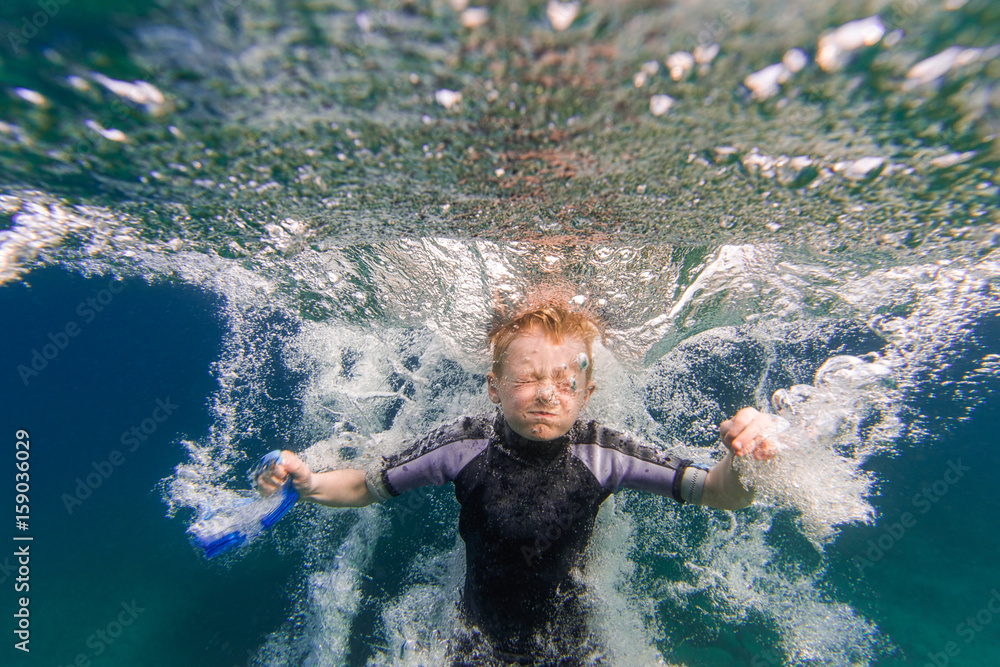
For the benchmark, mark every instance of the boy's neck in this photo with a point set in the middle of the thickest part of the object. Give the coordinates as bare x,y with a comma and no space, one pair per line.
525,448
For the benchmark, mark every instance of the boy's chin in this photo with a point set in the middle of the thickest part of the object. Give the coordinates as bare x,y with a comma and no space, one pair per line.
541,432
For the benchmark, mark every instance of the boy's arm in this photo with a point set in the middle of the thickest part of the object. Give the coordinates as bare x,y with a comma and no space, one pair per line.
743,435
336,488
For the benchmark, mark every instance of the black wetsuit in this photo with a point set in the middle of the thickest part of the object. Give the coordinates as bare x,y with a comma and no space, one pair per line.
528,511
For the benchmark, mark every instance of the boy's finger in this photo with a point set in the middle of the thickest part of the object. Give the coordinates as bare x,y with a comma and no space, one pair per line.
739,422
745,433
730,430
265,487
290,463
272,478
745,439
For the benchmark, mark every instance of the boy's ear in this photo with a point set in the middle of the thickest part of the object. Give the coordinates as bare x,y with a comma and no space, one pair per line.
591,387
491,387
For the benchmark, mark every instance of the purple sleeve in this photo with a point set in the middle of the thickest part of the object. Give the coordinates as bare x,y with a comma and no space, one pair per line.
617,460
432,461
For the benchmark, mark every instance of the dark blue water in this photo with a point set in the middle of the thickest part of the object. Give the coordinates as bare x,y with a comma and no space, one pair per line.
101,539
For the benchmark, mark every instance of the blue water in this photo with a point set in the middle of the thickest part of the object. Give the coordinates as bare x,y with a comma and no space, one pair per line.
149,343
158,342
233,227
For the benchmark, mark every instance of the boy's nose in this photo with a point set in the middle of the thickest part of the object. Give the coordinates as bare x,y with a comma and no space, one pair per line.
546,393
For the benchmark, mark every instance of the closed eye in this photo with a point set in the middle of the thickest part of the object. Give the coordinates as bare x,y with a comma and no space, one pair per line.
567,386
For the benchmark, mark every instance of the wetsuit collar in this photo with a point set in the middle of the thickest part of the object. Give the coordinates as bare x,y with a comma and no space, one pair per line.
532,450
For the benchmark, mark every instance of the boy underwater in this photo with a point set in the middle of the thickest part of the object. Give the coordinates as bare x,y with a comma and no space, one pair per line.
530,480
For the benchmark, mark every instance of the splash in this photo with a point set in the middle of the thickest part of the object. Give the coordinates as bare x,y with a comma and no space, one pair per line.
369,386
822,444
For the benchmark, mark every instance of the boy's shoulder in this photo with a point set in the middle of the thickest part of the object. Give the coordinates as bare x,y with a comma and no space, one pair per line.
469,428
594,433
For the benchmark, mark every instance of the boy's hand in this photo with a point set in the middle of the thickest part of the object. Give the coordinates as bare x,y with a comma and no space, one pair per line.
747,433
274,477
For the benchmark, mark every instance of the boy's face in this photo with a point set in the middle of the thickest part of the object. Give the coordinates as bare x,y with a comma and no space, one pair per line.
542,386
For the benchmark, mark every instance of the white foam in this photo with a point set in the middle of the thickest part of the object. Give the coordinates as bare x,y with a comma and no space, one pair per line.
319,631
680,64
765,83
448,98
931,69
420,622
42,223
660,104
140,92
471,18
621,618
729,563
818,469
561,14
335,596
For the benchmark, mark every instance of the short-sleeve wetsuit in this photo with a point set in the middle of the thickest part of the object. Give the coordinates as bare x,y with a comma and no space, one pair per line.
528,511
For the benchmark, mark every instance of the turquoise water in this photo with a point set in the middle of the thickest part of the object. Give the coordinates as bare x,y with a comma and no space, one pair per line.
234,226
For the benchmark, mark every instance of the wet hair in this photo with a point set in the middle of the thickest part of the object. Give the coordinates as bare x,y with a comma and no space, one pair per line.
551,317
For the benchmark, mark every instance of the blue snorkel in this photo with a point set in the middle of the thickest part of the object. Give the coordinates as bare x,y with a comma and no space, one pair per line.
223,531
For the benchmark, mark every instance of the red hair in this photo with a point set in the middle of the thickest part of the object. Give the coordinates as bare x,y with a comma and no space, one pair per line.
553,318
